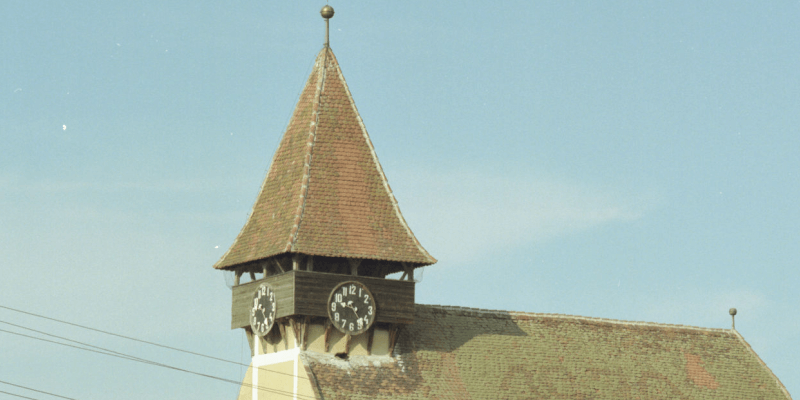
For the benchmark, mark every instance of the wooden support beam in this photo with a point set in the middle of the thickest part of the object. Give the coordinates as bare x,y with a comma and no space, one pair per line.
264,269
282,329
328,328
409,271
310,263
306,328
354,263
393,333
347,339
295,324
252,275
280,267
296,258
250,340
237,277
371,333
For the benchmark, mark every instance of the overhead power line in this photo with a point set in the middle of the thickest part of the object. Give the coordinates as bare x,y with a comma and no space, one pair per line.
100,350
134,339
34,390
17,395
117,335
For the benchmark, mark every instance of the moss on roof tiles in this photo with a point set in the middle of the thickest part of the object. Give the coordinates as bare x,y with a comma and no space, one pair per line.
451,353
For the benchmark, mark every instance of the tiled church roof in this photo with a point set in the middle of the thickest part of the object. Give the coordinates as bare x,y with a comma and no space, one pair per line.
325,193
454,353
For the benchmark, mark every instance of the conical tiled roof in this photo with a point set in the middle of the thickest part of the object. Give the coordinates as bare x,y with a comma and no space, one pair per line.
325,193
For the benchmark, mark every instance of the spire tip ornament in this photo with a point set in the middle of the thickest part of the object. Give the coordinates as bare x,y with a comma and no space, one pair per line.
327,13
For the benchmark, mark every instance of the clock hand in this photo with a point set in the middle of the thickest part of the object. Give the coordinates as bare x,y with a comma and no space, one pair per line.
355,309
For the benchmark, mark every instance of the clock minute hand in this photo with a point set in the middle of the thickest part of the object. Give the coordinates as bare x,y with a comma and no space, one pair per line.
355,309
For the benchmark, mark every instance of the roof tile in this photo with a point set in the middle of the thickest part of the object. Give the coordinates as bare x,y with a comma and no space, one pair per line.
325,193
456,353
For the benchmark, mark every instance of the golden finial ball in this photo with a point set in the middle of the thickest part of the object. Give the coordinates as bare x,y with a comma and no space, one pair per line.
732,311
327,12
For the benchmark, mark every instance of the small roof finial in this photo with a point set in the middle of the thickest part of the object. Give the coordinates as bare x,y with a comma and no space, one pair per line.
327,13
732,312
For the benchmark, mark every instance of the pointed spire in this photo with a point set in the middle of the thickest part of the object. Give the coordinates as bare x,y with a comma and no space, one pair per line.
325,193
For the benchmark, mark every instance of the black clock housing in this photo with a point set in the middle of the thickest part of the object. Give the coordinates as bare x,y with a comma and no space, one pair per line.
263,310
352,308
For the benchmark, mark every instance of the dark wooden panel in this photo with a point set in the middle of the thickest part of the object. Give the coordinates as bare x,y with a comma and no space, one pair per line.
395,299
282,284
306,293
242,298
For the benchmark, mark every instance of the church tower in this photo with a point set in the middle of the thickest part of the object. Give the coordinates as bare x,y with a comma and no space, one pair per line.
323,234
324,322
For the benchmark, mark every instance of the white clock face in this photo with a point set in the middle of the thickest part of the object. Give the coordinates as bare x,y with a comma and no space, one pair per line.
262,311
352,308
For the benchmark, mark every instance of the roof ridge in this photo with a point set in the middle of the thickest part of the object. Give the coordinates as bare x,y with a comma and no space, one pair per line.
498,313
763,364
378,166
264,183
312,137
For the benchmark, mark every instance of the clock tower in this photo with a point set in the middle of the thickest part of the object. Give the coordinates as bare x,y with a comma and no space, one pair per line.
322,236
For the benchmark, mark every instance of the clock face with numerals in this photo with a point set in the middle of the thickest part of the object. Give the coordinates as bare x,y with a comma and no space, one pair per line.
262,311
351,308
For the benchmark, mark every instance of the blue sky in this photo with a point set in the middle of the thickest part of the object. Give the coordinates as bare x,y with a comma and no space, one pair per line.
615,160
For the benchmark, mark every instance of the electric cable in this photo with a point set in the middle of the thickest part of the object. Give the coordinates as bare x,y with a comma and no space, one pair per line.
17,395
137,340
73,341
117,335
34,390
154,363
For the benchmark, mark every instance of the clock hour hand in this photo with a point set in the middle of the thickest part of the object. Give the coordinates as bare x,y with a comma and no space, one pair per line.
355,309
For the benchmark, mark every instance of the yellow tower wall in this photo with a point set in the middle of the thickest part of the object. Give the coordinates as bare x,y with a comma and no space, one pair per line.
279,371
